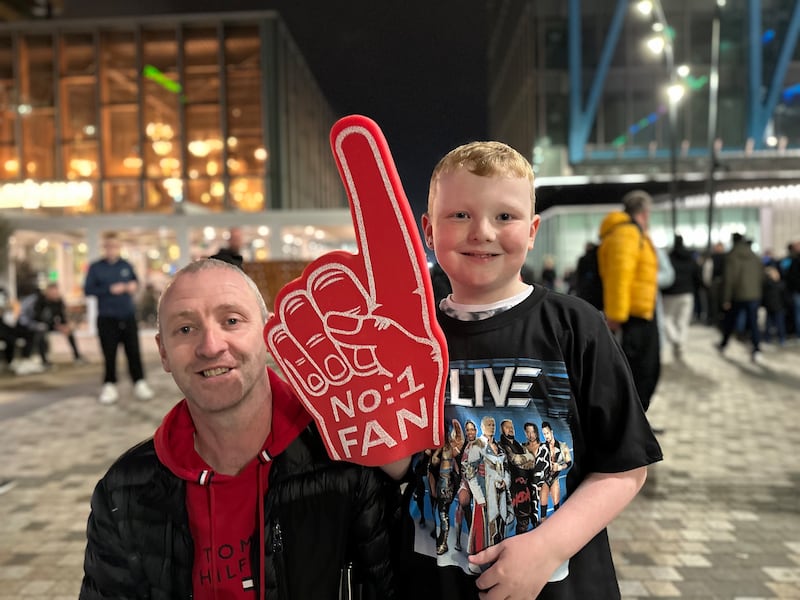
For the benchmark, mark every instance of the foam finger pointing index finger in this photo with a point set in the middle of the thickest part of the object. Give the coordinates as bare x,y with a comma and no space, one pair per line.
384,223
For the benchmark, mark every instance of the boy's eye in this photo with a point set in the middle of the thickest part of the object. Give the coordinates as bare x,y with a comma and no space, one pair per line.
460,215
504,217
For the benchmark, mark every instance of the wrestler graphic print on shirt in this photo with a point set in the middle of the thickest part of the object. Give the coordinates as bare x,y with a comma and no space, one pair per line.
503,467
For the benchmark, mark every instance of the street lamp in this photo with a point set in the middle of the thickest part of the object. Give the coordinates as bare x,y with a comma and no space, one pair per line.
713,103
674,94
661,43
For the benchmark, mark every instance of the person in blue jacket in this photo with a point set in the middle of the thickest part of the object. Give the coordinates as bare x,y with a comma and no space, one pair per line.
113,281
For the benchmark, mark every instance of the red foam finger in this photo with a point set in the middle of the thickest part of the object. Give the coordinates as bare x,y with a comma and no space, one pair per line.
337,288
394,259
304,323
373,309
295,363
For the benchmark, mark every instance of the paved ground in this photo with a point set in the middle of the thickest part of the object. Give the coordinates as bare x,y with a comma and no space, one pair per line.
718,519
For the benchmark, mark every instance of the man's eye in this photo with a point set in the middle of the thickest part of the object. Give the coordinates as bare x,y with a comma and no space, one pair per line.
185,329
232,320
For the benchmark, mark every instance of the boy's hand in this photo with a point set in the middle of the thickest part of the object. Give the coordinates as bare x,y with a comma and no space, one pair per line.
356,334
519,569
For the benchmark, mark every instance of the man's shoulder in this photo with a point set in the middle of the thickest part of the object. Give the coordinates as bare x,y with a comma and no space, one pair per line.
136,465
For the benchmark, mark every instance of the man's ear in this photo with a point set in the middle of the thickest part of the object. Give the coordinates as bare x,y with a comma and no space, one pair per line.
163,354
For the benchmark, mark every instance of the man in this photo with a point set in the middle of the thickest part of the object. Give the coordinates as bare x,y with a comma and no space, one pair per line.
51,310
628,266
8,335
791,275
233,253
29,330
113,281
235,495
520,466
489,481
742,284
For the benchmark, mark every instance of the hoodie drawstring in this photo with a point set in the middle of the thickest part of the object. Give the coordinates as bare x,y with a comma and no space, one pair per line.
204,479
263,459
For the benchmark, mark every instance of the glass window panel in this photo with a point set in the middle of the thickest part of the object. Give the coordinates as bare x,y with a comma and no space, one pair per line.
38,134
120,108
555,44
78,110
121,156
243,70
616,125
118,76
36,100
122,196
201,66
556,117
80,160
162,131
36,71
204,139
246,155
157,196
77,54
9,161
247,194
697,108
208,193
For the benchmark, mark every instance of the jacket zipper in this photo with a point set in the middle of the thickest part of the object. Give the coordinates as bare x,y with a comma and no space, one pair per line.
280,567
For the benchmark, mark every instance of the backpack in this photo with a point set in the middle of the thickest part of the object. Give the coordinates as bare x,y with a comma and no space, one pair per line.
589,286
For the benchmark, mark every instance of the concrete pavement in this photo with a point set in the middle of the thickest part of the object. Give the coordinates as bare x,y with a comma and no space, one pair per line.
718,519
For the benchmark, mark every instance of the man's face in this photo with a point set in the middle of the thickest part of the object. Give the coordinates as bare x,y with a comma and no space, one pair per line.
210,340
531,434
548,434
508,428
487,425
481,229
111,249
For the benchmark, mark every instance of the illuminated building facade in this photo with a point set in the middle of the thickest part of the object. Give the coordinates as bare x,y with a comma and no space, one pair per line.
169,130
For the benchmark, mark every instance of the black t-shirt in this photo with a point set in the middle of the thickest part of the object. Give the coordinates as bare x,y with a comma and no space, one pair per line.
550,359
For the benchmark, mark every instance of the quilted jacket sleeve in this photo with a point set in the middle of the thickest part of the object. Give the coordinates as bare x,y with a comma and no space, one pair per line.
107,572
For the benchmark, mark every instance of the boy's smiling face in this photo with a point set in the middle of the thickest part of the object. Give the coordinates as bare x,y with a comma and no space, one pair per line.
481,229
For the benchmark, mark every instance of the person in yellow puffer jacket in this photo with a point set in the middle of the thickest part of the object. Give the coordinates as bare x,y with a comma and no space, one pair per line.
628,265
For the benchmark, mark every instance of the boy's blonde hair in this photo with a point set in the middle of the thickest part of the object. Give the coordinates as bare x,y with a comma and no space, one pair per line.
484,159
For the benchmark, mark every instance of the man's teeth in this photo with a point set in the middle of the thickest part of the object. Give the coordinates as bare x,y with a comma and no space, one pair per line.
214,372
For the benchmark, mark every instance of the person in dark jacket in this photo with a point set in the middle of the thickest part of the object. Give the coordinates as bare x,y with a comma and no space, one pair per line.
773,298
680,296
51,310
112,280
232,253
235,495
742,281
791,275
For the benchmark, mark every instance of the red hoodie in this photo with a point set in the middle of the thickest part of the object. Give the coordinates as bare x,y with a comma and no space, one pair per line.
225,516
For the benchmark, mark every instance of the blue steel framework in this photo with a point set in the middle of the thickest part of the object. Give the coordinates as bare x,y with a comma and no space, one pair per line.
582,116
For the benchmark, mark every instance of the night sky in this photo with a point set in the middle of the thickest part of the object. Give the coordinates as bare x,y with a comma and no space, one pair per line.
417,67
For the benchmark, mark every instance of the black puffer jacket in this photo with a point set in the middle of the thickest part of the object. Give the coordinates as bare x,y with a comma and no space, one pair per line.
139,544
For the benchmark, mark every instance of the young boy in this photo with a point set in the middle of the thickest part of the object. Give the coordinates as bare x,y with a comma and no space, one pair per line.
527,355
